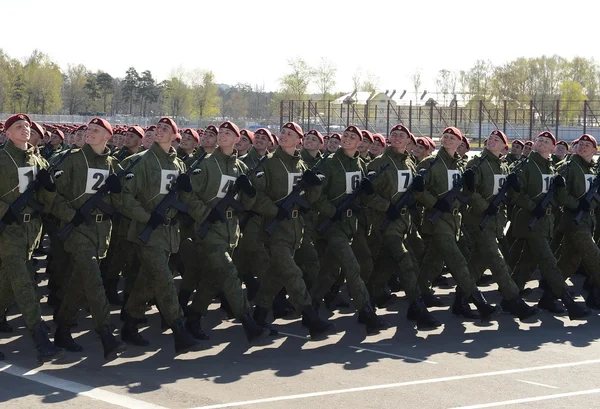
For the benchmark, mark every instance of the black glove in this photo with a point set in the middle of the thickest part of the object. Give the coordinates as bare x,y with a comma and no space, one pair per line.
442,205
282,214
9,218
78,219
310,178
492,210
113,184
513,182
469,177
46,180
243,183
559,181
215,216
366,186
418,184
184,183
584,205
538,212
392,212
155,220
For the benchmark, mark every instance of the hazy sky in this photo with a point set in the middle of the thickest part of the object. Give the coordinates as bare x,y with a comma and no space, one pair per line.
251,41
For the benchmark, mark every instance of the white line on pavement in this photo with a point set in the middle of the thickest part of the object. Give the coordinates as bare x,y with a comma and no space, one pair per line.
534,399
294,335
394,355
538,384
77,388
399,384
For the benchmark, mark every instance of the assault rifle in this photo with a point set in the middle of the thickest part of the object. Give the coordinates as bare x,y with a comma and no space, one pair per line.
228,201
27,197
548,200
501,195
294,197
170,201
591,194
343,207
407,197
455,192
96,202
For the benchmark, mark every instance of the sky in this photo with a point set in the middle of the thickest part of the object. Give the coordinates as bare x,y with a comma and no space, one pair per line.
252,41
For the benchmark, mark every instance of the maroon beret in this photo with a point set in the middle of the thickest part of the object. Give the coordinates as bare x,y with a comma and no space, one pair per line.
431,142
528,143
231,126
453,131
367,135
400,127
275,139
589,138
423,142
547,134
15,118
316,133
82,128
170,122
335,136
265,132
151,128
212,128
354,130
59,133
466,141
178,137
103,123
136,130
518,142
193,133
412,137
563,143
379,138
294,127
38,128
501,135
248,134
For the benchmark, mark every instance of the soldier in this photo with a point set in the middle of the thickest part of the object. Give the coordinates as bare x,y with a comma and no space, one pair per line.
208,142
560,152
482,185
578,220
148,138
144,189
421,149
532,246
334,142
132,140
209,186
20,164
278,175
440,178
378,145
527,147
245,143
189,142
365,146
343,175
463,148
77,179
393,255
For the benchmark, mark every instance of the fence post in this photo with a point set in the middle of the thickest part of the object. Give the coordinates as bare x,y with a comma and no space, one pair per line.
431,120
557,117
308,116
302,114
530,119
291,115
367,115
585,116
328,116
281,115
480,119
409,115
504,117
387,120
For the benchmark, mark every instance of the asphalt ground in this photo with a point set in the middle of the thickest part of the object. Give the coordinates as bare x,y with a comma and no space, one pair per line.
549,362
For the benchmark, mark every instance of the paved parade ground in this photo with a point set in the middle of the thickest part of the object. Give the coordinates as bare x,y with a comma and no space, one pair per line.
548,363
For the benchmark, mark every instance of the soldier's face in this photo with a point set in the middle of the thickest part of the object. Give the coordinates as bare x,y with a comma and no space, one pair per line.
451,141
560,151
333,144
164,134
495,144
586,150
244,144
420,151
288,138
19,132
96,135
516,149
377,148
55,140
208,140
34,138
462,149
365,145
527,150
227,138
148,139
79,138
132,141
350,141
544,146
311,143
188,142
399,140
261,142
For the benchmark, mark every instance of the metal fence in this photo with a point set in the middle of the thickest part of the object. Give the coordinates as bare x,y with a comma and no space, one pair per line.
518,119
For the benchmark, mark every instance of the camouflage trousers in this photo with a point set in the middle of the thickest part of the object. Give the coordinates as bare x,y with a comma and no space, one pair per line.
307,258
85,284
579,247
193,266
154,281
485,253
535,251
251,255
16,285
340,257
123,260
283,272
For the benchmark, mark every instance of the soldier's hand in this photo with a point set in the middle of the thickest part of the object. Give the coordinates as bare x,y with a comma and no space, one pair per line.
283,214
9,218
513,182
184,183
366,186
584,205
310,178
538,211
245,186
155,220
559,181
78,219
469,177
418,184
442,205
214,216
392,212
113,184
492,210
46,180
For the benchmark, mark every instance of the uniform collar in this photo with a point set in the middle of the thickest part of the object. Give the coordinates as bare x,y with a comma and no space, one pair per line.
579,160
281,154
159,152
89,152
395,155
445,156
14,151
537,158
219,155
490,156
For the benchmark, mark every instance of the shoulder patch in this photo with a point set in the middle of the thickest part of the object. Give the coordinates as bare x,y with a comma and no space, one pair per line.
129,176
58,173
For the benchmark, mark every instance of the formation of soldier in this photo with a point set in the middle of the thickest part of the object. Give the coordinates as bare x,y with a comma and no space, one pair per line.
281,222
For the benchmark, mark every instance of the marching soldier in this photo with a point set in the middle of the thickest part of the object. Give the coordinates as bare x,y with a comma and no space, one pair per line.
515,152
245,143
189,141
208,141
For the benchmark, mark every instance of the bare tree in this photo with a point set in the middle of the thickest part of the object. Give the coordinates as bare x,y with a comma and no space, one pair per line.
325,77
415,78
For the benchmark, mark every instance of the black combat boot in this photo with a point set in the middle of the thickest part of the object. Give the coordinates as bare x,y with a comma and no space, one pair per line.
5,327
394,283
254,332
593,298
260,316
281,306
64,340
130,333
226,307
431,300
385,299
316,325
184,342
46,350
519,308
576,310
373,323
110,289
550,303
486,310
184,298
461,306
252,286
112,347
192,324
417,311
334,300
